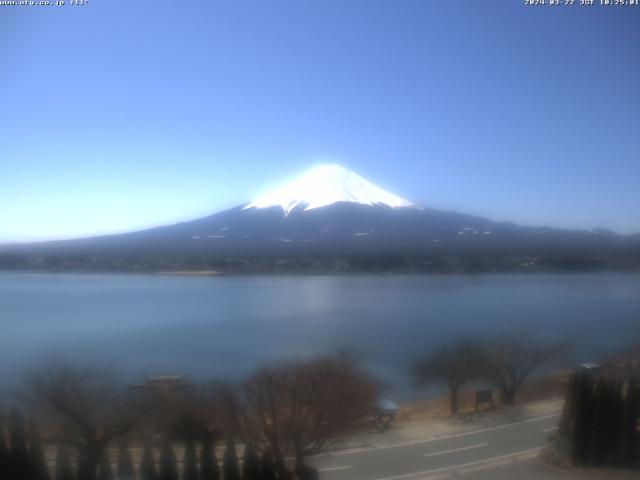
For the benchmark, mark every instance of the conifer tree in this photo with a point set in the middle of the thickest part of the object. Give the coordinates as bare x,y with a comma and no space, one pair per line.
168,465
39,469
634,421
598,433
190,462
630,439
4,455
581,435
567,420
148,464
601,419
267,467
105,472
230,468
209,469
63,465
19,461
304,471
281,469
616,415
250,464
126,470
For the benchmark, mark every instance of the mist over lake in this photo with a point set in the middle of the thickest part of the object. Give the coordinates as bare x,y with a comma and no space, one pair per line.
225,326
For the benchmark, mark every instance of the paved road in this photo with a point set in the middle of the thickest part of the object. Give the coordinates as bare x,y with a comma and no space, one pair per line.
500,452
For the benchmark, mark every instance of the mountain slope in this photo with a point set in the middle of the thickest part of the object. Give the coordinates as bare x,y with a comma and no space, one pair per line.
339,228
327,212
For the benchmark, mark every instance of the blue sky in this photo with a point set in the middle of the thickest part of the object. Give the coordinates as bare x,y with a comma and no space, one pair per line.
125,114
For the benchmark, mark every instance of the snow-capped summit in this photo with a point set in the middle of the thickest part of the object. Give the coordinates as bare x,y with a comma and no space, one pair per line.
325,185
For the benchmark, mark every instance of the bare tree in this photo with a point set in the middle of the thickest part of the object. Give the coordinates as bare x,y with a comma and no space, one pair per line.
508,361
452,365
187,414
85,408
300,407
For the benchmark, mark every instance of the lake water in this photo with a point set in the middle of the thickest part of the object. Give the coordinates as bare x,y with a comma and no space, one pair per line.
225,326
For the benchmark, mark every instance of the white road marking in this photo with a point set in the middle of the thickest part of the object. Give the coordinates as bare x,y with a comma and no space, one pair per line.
547,430
333,469
454,450
528,456
435,439
486,466
537,419
437,477
462,465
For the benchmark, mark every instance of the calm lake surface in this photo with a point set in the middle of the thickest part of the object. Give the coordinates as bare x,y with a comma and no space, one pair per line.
225,326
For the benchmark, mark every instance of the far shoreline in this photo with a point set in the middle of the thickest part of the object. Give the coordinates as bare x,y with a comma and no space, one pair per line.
187,273
218,274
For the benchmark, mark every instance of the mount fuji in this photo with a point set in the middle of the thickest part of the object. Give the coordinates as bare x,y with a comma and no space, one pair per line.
325,185
329,213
